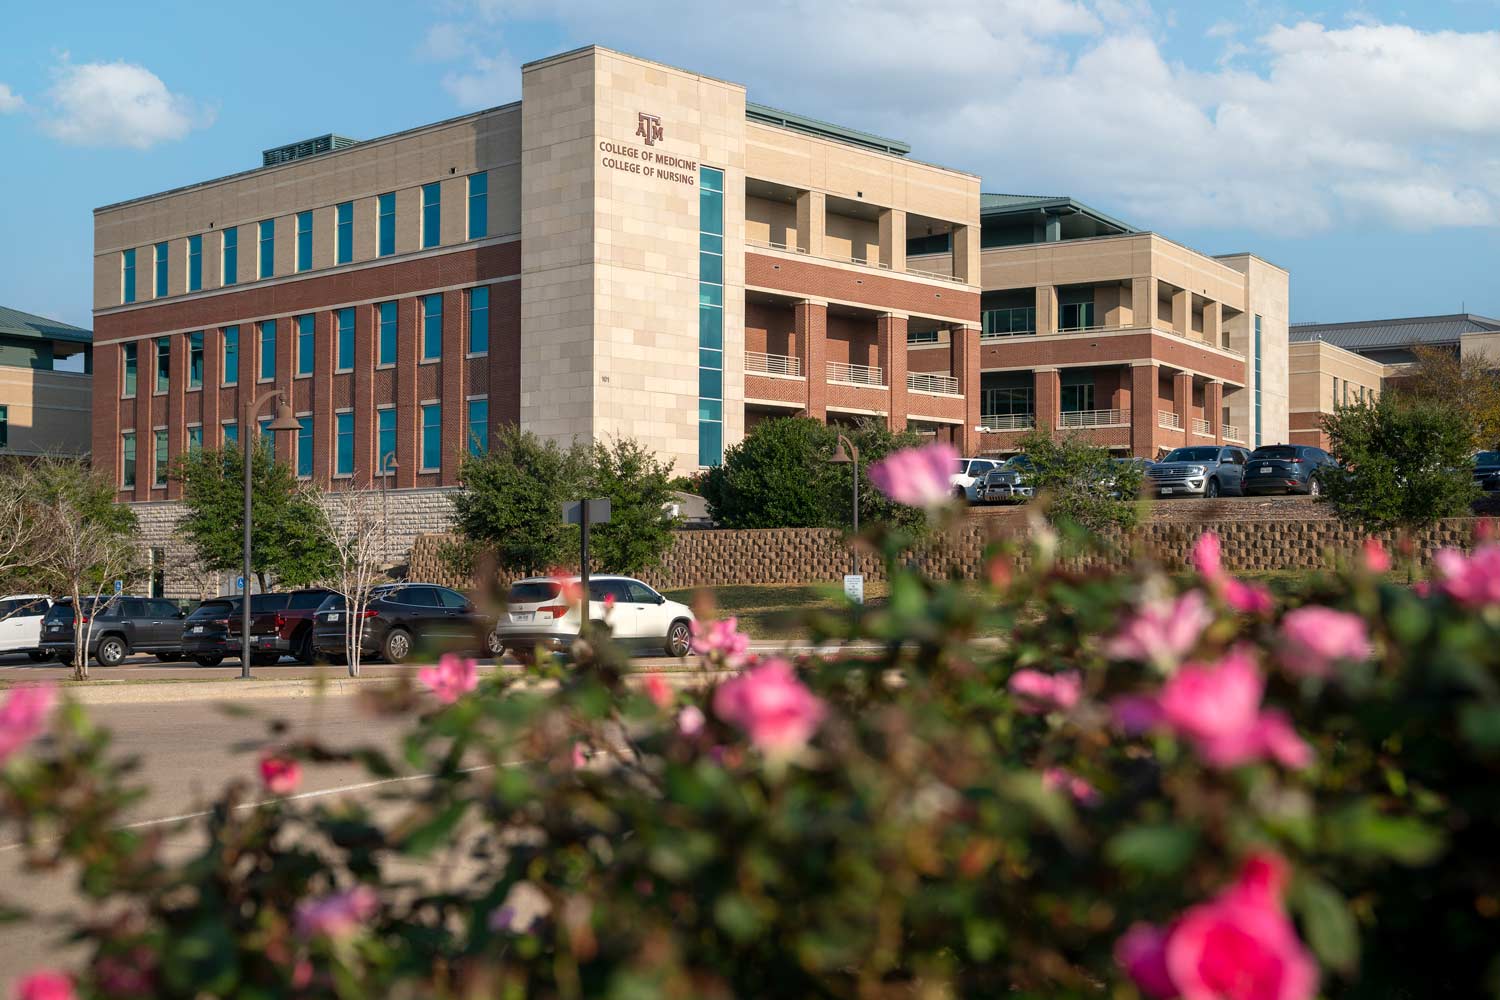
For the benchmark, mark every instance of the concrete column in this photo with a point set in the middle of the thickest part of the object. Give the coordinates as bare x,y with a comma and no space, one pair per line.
1182,312
966,370
893,239
1212,322
1143,378
1046,310
811,321
322,396
1143,302
1046,398
1052,233
452,385
891,334
966,254
1213,407
812,219
1182,399
177,408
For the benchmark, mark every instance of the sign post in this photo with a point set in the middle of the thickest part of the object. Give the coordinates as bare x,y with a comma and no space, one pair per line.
584,513
854,587
119,586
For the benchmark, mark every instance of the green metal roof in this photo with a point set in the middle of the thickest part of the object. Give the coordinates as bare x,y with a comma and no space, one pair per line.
15,323
838,133
1008,204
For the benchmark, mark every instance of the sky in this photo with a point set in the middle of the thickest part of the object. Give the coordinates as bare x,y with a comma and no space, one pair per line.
1355,144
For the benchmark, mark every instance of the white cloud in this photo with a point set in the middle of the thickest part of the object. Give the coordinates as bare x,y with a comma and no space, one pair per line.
487,82
9,100
119,104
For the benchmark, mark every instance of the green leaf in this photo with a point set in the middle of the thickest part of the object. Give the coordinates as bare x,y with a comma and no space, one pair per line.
737,916
1360,829
1480,725
1158,850
436,831
1331,930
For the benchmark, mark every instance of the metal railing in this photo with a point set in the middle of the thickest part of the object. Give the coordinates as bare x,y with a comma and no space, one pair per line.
773,245
838,371
772,364
1166,418
1007,421
1202,427
1232,432
843,258
923,382
932,274
1091,418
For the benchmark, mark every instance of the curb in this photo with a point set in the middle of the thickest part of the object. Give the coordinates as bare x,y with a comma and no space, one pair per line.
166,692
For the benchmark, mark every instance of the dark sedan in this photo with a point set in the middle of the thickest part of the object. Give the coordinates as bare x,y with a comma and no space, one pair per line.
405,618
1286,468
1487,471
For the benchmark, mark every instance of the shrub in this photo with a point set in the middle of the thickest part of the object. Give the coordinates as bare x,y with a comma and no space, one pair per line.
1081,484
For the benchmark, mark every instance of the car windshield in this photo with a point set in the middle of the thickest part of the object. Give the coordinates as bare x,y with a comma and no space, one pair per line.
960,467
1019,461
215,609
1487,458
1192,455
1276,454
534,591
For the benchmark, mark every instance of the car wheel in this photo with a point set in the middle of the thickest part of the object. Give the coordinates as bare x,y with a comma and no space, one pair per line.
1314,488
679,639
112,651
208,661
39,655
264,659
1212,489
397,645
960,494
493,644
303,651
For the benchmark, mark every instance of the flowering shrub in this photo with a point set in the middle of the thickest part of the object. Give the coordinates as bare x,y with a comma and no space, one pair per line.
1140,791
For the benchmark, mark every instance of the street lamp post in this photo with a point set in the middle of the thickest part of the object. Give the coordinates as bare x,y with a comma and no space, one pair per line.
850,457
387,468
285,420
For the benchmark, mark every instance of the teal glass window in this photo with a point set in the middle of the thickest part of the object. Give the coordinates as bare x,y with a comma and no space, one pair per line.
385,438
195,438
432,327
267,436
345,339
159,459
129,368
432,214
195,263
267,248
231,255
195,360
268,349
304,241
305,446
479,205
163,363
307,351
710,316
387,338
4,426
479,426
231,432
231,355
127,276
479,320
710,326
432,437
127,460
343,444
160,256
385,224
1257,380
343,224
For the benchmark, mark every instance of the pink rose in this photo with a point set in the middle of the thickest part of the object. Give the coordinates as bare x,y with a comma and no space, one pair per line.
774,708
1206,556
452,678
338,915
280,775
690,721
659,691
720,642
1162,632
1315,638
1142,953
1246,598
1217,707
1472,581
580,757
1059,779
24,716
1038,693
45,985
917,477
1375,557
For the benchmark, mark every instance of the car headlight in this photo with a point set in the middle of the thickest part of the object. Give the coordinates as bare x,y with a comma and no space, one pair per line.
1196,470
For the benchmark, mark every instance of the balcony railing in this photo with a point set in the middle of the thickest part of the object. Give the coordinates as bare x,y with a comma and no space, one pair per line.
845,258
1232,432
1202,427
939,275
1007,421
838,371
1166,418
923,382
773,245
1092,418
772,364
848,259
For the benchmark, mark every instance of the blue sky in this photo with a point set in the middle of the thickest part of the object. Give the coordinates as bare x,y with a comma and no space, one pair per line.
1358,145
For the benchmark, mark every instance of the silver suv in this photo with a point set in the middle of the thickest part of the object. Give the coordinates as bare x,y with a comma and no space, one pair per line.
1200,471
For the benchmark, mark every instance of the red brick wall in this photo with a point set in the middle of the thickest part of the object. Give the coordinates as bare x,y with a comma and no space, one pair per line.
883,291
853,340
771,329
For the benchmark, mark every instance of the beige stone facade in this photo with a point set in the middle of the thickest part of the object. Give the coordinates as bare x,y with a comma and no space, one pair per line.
1322,377
46,412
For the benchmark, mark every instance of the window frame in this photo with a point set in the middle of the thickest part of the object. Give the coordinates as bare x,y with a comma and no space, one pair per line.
424,409
229,256
431,235
304,243
130,372
381,451
340,357
470,313
305,425
474,444
478,202
195,360
224,354
429,323
161,258
260,365
161,457
265,249
380,330
306,343
385,224
162,354
128,458
128,290
343,232
195,263
343,428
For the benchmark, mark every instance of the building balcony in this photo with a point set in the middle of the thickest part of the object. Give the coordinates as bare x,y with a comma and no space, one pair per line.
1007,421
1093,418
1232,432
1202,427
781,365
865,375
937,385
1166,418
839,258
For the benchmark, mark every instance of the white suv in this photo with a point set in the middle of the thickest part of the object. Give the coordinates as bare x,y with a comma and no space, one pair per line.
21,625
969,474
538,615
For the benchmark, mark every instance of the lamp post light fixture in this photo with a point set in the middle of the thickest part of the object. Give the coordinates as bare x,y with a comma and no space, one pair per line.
841,456
387,466
285,420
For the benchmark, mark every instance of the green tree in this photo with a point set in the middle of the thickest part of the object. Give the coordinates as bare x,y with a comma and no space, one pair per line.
1405,463
875,441
1469,385
511,503
1081,484
639,488
286,543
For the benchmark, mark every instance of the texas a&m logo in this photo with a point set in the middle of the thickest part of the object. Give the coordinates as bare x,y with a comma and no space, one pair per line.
648,127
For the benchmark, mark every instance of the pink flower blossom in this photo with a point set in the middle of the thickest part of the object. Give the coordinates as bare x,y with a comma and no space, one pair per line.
690,721
1238,946
773,707
1246,598
917,477
659,691
1136,713
24,715
452,678
1473,581
609,603
338,915
1422,588
720,641
1217,708
280,775
1374,556
45,985
1206,556
1038,693
1162,632
1315,638
1059,779
580,758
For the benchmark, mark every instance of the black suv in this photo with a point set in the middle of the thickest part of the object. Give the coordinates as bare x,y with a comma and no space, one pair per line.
1487,470
404,617
1286,468
121,626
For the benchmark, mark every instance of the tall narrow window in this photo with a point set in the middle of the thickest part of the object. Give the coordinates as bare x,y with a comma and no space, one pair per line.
307,352
267,436
231,255
305,446
432,214
163,363
479,205
267,249
345,349
195,438
479,320
195,360
432,327
159,288
159,459
127,389
387,334
385,439
231,355
385,224
268,350
710,316
479,426
127,460
432,437
343,220
127,276
1257,381
304,241
343,444
231,433
4,427
195,263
